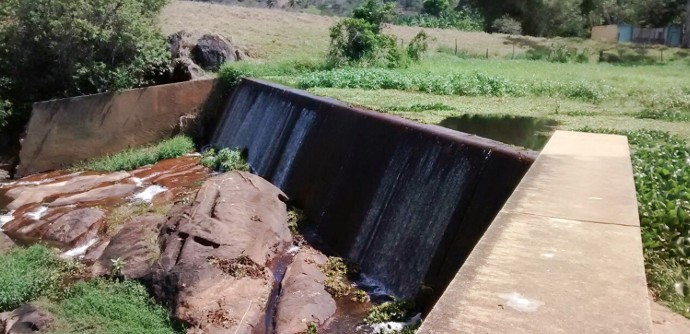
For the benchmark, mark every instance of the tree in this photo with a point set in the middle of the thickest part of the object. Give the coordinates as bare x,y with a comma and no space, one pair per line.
435,7
61,48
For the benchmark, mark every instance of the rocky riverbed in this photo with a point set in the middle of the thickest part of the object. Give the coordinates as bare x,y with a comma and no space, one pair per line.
216,249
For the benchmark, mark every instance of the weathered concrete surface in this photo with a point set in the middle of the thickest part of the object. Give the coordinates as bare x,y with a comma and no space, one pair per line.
66,131
564,255
665,321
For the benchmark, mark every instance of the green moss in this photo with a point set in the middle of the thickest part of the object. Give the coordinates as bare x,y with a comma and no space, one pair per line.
399,310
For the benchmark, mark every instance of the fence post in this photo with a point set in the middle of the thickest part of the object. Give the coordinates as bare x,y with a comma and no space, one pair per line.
662,54
456,46
513,57
487,53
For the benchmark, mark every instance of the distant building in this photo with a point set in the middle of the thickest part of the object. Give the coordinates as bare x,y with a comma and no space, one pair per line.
625,33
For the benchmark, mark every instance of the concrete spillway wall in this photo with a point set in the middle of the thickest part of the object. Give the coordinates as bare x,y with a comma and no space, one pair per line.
406,201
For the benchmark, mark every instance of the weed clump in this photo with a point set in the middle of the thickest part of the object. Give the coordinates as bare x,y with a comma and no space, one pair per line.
399,310
419,107
668,107
137,157
225,160
336,277
239,267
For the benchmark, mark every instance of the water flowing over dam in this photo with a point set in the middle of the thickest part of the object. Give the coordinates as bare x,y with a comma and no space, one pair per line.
405,201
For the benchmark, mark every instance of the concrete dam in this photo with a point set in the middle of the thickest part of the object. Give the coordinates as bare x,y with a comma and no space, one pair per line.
488,237
405,201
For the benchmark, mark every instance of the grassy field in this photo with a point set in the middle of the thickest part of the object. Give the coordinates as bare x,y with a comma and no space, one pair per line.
649,103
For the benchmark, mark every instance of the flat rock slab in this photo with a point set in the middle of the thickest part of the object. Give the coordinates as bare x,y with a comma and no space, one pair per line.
303,298
665,321
564,255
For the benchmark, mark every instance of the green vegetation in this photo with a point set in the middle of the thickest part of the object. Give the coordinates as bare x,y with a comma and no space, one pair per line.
399,310
336,277
27,273
225,160
661,166
559,53
312,329
110,307
465,20
137,157
669,107
63,48
476,84
419,107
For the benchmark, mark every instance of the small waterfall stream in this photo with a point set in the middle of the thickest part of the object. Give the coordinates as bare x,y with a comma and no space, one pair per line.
405,201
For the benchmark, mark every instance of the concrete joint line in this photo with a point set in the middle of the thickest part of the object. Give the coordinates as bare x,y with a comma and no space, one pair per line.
576,220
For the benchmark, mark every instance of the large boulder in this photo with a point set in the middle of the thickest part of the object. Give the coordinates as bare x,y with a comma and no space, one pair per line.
303,298
26,319
60,228
213,266
136,245
180,44
213,50
184,69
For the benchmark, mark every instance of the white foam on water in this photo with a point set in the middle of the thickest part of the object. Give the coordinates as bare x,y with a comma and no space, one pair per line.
375,288
395,326
81,250
147,194
6,218
137,181
520,303
293,250
37,214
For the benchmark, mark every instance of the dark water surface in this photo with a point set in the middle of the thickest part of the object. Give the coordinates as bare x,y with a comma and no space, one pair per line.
528,132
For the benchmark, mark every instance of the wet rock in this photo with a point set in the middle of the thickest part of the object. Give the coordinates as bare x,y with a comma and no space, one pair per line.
136,244
59,228
212,51
6,244
26,319
117,191
75,227
212,270
29,194
303,298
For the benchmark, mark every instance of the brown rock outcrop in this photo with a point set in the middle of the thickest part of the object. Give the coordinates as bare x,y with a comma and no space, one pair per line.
303,298
136,244
212,51
212,270
76,227
115,191
26,319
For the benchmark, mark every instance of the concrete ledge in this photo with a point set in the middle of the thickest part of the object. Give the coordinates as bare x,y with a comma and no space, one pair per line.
564,255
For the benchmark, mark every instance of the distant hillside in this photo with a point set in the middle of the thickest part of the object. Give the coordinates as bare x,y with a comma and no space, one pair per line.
277,34
320,7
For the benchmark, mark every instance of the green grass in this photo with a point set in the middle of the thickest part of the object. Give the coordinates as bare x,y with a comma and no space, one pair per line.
225,160
28,273
137,157
110,307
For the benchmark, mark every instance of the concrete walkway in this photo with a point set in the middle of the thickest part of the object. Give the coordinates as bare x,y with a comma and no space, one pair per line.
564,255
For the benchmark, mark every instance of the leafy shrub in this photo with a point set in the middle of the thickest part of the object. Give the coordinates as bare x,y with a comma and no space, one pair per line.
110,307
5,112
507,25
559,54
435,7
461,20
27,273
63,48
669,107
137,157
225,160
418,45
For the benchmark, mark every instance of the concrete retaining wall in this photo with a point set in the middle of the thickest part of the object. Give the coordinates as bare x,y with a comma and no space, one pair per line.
404,200
66,131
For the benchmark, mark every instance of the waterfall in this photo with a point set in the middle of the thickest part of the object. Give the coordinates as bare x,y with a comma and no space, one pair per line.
406,201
